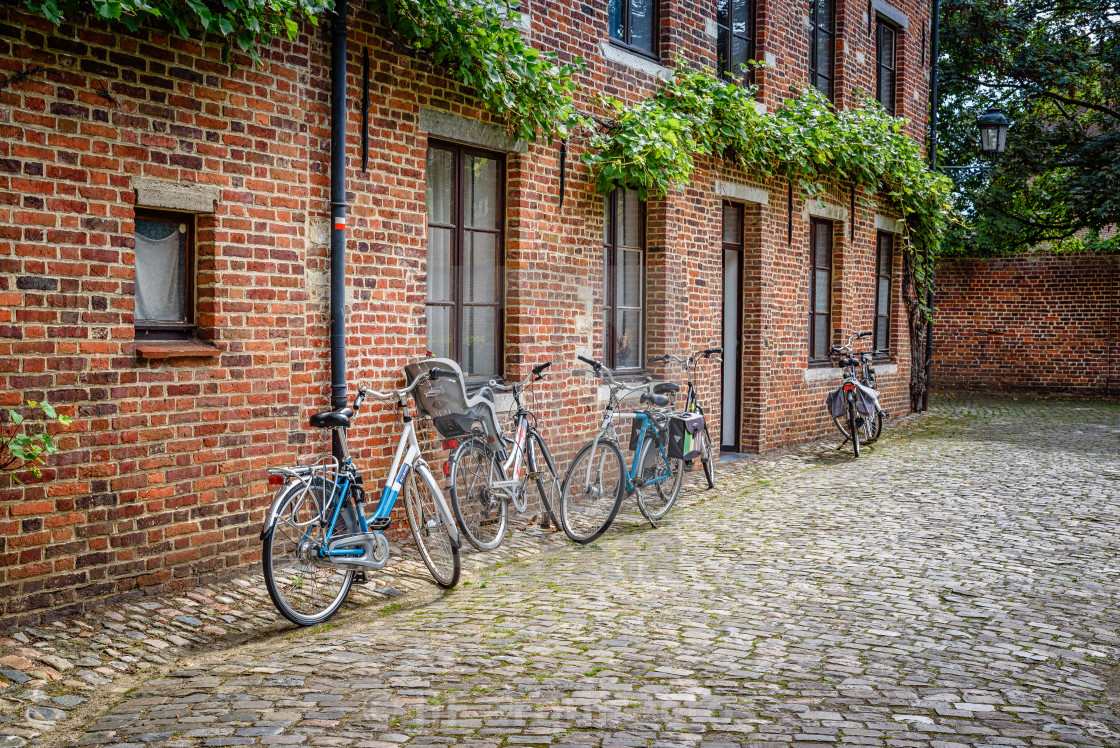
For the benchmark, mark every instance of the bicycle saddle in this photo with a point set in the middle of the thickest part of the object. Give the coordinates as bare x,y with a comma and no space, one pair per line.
659,400
664,388
332,419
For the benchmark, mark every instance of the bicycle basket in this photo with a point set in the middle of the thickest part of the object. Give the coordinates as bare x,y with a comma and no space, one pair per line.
684,436
837,403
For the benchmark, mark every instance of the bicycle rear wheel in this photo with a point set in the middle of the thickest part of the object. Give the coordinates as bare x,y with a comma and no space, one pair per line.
657,499
429,531
305,588
592,491
547,480
481,515
853,426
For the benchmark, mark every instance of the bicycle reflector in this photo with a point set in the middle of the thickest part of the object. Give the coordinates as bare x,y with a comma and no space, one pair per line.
849,387
447,468
275,480
450,443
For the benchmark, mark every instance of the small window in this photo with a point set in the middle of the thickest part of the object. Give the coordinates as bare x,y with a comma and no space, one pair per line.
884,265
164,248
820,289
821,45
624,219
634,24
735,38
465,249
886,54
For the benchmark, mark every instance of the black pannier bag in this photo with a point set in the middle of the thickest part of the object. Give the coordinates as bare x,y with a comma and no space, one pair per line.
684,436
837,402
636,428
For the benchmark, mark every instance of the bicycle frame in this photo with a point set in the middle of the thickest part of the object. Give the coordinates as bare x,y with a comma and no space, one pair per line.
609,431
407,457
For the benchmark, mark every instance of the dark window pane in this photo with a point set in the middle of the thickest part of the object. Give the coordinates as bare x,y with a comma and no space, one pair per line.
820,296
820,337
642,30
629,218
882,333
614,19
741,16
628,340
723,37
440,186
884,296
161,267
732,224
723,8
740,53
440,268
480,185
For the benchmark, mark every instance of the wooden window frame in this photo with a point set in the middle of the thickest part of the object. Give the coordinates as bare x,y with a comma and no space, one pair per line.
610,290
723,56
458,234
813,268
151,330
881,26
655,40
880,274
815,27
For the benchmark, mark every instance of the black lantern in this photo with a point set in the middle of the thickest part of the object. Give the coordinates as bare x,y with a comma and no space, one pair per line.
993,132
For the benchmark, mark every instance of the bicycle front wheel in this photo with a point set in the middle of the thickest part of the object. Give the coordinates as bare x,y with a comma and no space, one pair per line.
306,589
480,513
432,536
707,459
656,499
592,491
547,480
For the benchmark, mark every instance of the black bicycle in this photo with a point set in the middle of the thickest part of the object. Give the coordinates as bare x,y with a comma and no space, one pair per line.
692,405
854,406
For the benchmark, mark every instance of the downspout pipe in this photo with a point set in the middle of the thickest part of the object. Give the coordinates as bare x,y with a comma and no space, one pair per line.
934,105
338,213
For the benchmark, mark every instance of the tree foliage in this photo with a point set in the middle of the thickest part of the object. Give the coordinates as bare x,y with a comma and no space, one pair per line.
1054,67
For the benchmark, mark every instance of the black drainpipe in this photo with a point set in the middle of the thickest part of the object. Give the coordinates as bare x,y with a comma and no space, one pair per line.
338,213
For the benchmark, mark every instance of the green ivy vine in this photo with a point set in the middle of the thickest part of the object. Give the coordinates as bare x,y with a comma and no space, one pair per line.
654,144
246,23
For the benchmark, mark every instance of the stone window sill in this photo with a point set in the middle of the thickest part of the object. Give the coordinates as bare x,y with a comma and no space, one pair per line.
614,53
156,349
821,372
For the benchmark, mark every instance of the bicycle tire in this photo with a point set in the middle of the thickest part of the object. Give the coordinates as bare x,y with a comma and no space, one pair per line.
306,591
547,480
707,460
586,508
433,539
482,517
666,491
853,428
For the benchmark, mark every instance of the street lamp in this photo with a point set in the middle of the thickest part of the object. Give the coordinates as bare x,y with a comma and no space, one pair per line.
993,132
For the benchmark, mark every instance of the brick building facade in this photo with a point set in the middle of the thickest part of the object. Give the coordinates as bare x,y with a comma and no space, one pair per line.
1033,323
118,141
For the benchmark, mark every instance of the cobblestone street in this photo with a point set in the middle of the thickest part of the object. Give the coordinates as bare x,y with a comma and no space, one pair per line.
958,585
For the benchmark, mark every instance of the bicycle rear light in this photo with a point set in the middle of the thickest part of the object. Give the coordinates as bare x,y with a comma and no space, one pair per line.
849,387
275,480
450,443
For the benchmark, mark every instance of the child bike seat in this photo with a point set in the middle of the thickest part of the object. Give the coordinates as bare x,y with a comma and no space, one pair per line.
452,409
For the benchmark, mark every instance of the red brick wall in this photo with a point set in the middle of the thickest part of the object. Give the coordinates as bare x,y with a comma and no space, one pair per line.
160,483
1048,323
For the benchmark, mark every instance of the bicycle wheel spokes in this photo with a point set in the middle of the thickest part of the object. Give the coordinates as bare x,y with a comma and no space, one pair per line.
305,589
592,491
481,514
656,498
430,532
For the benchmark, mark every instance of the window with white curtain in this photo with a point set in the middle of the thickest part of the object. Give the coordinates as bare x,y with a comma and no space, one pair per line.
164,275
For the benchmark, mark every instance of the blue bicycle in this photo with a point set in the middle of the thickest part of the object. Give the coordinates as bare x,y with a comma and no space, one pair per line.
598,479
317,538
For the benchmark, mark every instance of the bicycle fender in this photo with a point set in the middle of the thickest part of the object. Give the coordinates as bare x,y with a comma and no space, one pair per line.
274,510
441,502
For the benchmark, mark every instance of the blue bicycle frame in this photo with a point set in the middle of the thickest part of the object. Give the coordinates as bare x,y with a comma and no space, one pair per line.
632,472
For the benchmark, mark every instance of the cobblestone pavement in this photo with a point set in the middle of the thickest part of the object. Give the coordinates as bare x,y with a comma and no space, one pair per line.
955,586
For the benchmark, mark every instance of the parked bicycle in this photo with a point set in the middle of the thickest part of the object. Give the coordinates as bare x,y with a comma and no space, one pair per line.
487,475
317,537
692,405
854,406
598,479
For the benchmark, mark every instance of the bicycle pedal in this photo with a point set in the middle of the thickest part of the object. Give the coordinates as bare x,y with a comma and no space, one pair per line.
380,523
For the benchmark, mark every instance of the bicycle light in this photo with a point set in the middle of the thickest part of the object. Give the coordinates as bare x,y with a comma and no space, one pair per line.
275,480
450,443
849,387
